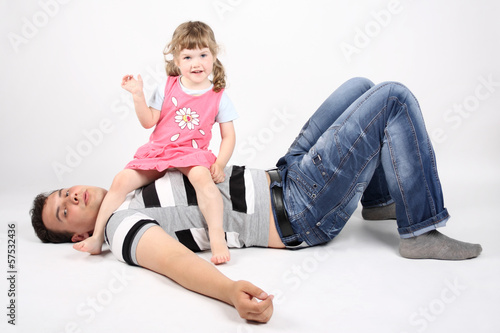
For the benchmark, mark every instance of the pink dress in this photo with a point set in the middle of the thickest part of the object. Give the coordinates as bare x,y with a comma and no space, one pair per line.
183,132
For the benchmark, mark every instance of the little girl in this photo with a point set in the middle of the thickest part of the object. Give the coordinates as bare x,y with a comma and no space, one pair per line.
190,104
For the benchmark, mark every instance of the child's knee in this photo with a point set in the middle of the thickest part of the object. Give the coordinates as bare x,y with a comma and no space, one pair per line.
200,176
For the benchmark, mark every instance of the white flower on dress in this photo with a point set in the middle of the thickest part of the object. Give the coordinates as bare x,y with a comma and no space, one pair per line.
186,117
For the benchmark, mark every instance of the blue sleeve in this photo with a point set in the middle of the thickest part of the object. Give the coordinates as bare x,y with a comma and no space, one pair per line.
227,111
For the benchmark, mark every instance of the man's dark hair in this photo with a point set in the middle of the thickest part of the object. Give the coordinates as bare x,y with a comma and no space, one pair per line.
41,231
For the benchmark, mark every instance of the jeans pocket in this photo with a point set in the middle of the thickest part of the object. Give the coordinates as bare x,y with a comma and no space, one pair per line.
304,183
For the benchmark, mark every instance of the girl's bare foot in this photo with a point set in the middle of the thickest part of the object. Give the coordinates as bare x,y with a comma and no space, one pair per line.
220,252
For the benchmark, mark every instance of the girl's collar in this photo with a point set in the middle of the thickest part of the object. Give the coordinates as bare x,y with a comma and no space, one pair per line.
194,91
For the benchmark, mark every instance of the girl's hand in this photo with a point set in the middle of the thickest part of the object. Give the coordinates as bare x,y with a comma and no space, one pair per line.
130,84
244,297
217,173
91,245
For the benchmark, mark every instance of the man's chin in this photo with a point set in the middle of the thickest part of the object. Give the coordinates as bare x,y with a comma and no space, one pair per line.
96,197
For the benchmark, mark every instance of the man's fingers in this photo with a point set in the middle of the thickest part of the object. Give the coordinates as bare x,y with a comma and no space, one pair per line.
254,291
248,305
261,311
261,306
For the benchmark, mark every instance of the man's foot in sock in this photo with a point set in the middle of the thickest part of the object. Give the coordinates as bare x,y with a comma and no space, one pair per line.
435,245
379,213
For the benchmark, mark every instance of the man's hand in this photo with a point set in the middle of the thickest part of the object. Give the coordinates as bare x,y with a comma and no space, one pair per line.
91,245
244,296
217,173
130,84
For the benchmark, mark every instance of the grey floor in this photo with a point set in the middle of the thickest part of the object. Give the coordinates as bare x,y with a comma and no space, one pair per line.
356,283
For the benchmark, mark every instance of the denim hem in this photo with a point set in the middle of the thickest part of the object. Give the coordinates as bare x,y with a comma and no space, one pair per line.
418,229
423,231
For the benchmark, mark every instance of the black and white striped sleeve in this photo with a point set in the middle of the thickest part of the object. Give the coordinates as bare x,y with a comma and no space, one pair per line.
123,236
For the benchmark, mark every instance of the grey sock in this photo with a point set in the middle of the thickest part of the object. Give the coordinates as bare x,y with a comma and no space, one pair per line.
379,213
435,245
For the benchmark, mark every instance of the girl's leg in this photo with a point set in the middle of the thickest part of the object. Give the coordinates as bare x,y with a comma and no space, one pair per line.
211,206
124,182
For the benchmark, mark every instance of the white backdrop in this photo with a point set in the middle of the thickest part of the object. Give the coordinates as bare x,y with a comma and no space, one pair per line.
65,119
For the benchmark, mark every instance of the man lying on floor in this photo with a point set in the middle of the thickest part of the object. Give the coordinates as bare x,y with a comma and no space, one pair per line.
364,142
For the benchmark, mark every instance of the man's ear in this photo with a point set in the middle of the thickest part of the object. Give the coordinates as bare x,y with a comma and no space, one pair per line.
79,237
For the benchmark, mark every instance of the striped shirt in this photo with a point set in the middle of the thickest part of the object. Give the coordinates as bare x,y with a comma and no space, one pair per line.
171,203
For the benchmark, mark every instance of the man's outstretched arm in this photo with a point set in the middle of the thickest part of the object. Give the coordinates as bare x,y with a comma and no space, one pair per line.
161,253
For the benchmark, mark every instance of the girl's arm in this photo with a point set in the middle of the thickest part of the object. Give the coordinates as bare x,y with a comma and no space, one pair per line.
148,117
228,136
161,253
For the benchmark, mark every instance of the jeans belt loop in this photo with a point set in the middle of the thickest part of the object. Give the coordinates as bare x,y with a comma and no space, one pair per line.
279,206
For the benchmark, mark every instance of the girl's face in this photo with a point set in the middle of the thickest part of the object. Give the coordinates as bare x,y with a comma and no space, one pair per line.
195,66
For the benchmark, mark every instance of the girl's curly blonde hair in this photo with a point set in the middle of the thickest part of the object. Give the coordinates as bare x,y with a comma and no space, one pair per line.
192,35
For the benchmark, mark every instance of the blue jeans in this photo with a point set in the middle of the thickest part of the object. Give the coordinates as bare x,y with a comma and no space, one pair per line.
365,142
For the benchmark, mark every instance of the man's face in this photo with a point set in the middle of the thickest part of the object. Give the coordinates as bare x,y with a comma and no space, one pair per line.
73,210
